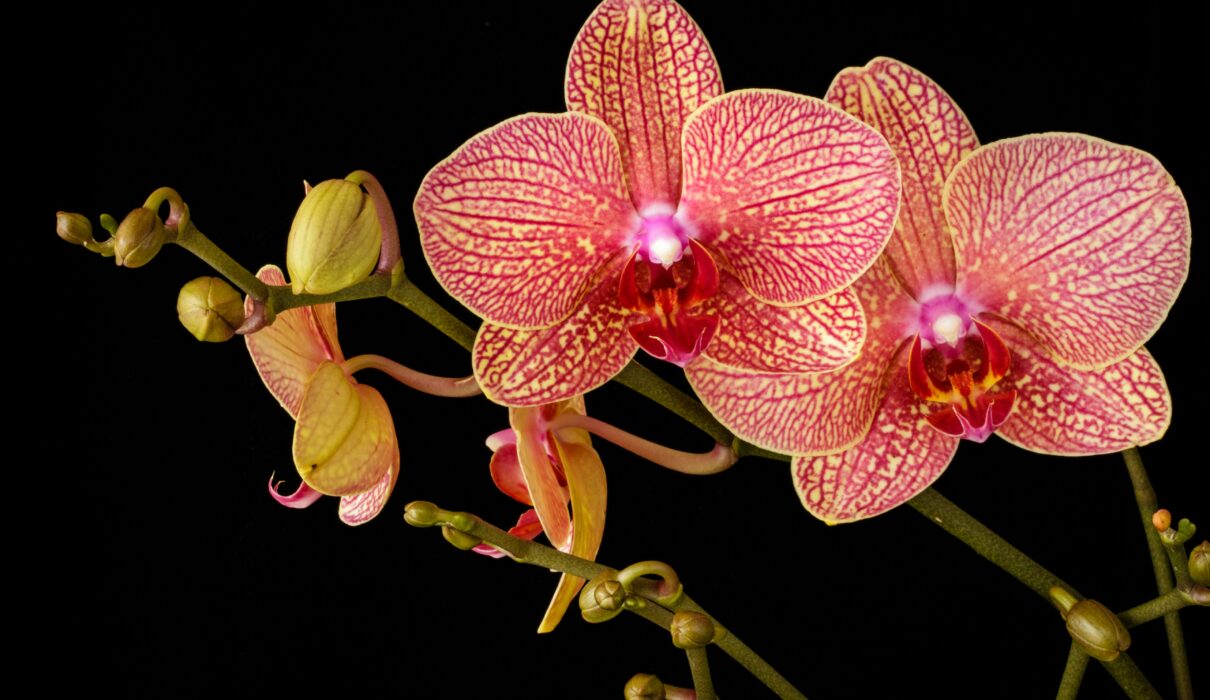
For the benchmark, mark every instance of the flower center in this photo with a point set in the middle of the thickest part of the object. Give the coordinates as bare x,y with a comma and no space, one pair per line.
667,276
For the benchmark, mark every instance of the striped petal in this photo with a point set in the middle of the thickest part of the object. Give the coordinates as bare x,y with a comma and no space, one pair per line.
899,458
517,221
530,368
1066,411
548,496
287,352
361,508
642,67
797,196
812,413
758,337
1081,242
344,440
929,135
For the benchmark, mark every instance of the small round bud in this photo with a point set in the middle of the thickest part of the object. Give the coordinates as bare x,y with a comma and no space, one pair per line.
1097,630
1162,520
139,237
1199,564
421,514
334,240
210,309
644,686
602,598
691,630
73,228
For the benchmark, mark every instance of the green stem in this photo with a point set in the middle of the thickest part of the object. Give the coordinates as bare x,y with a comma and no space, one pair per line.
1131,679
1144,494
642,380
282,298
192,240
411,298
1154,609
1073,673
699,666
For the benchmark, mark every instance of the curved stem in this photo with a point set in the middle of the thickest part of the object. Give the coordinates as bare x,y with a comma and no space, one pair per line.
1073,673
712,462
1144,494
453,387
642,380
192,240
388,256
699,666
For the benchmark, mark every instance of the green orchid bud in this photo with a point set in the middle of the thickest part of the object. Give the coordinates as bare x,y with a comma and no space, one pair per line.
139,237
421,514
460,539
210,309
693,630
1199,564
1097,630
73,228
602,598
644,686
334,240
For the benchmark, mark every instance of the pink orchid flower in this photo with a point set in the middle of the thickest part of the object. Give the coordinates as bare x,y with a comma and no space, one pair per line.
659,213
344,438
1014,297
545,466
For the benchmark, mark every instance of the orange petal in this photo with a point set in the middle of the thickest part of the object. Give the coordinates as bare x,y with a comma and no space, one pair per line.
548,496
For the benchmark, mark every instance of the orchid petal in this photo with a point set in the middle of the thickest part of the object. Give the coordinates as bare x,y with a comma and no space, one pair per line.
517,221
302,497
1066,411
527,528
930,135
812,413
507,475
548,496
361,508
586,481
898,459
344,440
754,336
1081,242
797,196
288,352
530,368
642,67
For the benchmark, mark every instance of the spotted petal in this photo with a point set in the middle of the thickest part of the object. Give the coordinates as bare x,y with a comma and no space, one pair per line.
289,351
754,336
1066,411
530,368
1083,243
929,135
812,413
361,508
344,440
899,458
797,196
642,67
519,219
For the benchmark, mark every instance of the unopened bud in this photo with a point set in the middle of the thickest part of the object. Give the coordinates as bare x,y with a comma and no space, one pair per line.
334,240
139,237
210,309
1199,564
644,686
1097,630
421,514
603,597
693,630
460,539
73,228
1162,520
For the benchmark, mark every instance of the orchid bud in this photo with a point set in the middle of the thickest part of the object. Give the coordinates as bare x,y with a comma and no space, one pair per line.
693,630
1097,630
334,240
73,228
603,597
1199,564
421,514
1161,520
460,539
644,686
139,237
210,309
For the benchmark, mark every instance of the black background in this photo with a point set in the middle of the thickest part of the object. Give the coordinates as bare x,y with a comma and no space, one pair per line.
161,567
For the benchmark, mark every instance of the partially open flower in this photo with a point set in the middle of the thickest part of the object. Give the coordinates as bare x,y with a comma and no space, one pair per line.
334,240
210,309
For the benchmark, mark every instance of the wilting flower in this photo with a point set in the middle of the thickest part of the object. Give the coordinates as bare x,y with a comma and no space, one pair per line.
546,467
658,213
1015,295
344,438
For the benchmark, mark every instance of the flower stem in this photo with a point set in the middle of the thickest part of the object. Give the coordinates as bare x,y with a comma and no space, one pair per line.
1153,609
282,297
192,240
1144,494
452,387
411,298
699,666
1073,673
1130,679
642,380
712,462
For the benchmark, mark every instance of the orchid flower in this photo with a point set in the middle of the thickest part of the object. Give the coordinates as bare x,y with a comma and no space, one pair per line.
658,213
1014,297
344,437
